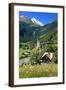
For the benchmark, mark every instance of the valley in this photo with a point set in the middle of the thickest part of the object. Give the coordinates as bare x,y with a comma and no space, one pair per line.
34,41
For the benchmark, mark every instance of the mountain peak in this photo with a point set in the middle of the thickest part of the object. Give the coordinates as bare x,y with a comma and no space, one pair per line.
34,20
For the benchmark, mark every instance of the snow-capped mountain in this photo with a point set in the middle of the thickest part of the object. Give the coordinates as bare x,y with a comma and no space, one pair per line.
37,22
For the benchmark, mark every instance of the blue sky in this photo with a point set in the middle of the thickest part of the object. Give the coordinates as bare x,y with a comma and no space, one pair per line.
43,17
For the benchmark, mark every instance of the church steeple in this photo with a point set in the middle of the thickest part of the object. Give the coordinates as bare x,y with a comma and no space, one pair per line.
38,43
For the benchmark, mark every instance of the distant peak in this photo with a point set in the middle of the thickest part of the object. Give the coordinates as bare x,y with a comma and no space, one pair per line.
34,20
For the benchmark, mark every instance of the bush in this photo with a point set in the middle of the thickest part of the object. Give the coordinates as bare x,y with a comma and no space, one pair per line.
50,48
35,56
55,58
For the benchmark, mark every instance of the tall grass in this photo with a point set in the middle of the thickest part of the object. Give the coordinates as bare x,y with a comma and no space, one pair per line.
45,70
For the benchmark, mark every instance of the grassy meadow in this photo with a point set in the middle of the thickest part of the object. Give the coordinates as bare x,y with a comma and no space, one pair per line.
45,70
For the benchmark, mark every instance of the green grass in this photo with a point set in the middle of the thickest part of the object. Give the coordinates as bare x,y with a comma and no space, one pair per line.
45,70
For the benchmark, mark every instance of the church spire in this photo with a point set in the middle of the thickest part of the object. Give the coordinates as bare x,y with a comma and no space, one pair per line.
38,43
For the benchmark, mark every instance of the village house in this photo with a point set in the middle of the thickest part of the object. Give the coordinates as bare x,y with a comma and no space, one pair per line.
47,57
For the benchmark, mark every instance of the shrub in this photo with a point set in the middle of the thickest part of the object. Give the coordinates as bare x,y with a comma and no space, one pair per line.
35,56
55,58
51,48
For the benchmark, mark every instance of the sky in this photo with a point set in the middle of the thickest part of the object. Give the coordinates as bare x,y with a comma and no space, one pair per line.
43,17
